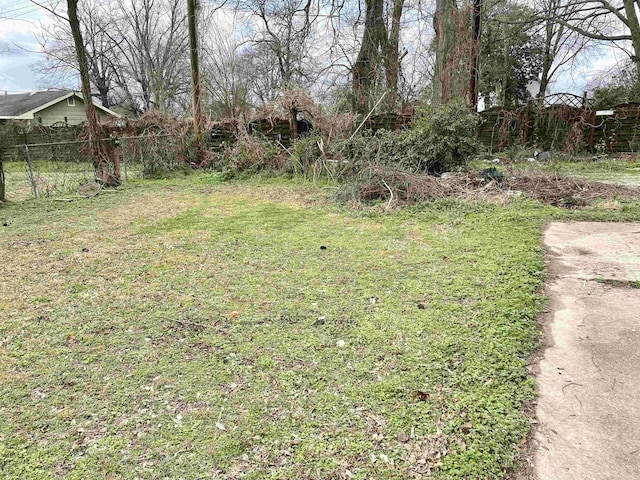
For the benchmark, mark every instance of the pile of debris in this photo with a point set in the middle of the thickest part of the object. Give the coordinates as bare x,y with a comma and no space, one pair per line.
398,187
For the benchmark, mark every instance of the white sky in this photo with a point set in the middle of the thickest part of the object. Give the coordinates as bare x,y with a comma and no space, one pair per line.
21,20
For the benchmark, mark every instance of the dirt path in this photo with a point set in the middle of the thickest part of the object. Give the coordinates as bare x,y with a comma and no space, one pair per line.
588,410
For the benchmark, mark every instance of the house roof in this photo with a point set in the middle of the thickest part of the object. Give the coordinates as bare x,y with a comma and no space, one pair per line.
24,105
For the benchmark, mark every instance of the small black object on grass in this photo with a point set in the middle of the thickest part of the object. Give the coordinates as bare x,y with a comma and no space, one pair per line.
489,174
323,247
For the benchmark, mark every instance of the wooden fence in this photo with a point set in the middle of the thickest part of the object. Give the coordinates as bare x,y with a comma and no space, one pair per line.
562,127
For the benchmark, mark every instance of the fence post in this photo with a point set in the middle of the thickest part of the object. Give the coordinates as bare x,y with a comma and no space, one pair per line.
2,194
34,187
124,158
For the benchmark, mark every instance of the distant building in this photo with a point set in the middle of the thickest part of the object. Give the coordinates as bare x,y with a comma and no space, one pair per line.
533,87
49,107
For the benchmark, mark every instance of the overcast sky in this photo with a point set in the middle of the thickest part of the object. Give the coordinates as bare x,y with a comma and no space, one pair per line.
20,21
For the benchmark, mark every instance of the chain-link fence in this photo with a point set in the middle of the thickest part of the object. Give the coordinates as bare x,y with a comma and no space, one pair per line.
39,170
38,161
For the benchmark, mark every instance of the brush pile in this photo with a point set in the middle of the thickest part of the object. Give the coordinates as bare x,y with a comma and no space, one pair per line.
401,188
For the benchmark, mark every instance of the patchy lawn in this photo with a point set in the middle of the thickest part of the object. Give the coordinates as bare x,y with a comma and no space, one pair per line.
191,329
612,168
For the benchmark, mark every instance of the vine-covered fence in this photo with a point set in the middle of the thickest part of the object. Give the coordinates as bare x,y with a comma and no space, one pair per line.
38,161
562,127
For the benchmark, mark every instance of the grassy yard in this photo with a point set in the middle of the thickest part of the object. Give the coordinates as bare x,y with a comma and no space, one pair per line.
195,329
623,169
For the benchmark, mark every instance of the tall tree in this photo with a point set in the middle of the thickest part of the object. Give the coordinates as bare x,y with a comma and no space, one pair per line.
454,46
153,45
511,53
562,45
137,52
612,21
379,56
109,174
475,51
56,41
195,72
285,28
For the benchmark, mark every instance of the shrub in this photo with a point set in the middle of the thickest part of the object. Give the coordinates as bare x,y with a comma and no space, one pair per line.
253,154
446,136
442,139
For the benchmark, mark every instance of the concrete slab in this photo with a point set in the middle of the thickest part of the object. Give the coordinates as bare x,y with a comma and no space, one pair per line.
588,379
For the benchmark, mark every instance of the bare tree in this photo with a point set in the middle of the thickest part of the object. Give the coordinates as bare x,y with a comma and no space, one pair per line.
153,45
284,28
137,51
196,94
225,62
56,41
562,45
611,21
104,171
264,83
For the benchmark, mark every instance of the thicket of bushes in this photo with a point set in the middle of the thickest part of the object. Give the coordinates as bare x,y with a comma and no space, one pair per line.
441,140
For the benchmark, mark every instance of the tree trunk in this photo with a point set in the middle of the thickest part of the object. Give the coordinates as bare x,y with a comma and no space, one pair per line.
392,55
475,51
548,56
365,70
106,171
293,123
195,76
444,24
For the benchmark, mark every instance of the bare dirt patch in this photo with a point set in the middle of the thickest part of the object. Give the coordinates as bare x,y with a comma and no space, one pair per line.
587,379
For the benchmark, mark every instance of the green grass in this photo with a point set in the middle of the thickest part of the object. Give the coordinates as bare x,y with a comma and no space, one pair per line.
398,350
618,283
612,168
609,170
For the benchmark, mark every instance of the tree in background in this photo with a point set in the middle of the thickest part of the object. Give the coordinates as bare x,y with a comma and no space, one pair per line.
616,87
153,44
106,171
137,52
56,40
378,61
511,56
223,69
285,29
196,94
453,45
614,22
561,45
